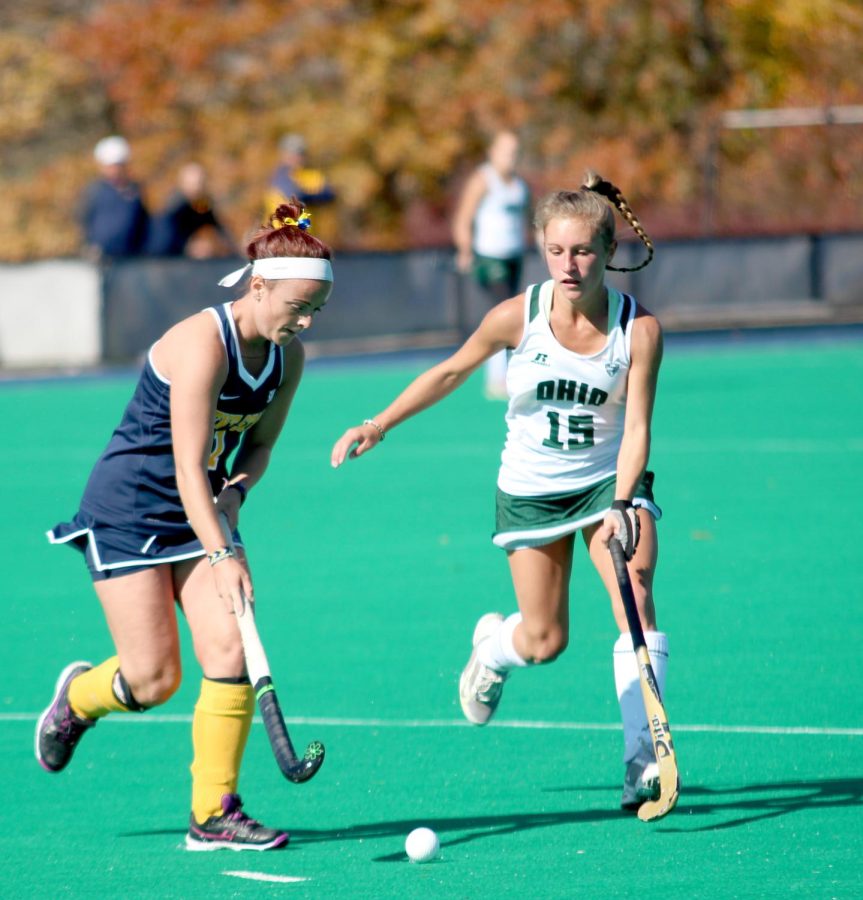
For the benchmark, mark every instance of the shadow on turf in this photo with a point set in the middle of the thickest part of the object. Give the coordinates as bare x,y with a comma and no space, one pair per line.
478,827
783,797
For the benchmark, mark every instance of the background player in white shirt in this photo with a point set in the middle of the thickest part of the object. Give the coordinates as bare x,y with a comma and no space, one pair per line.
490,231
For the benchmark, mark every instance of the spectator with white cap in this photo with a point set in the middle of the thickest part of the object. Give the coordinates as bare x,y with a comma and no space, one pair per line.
114,217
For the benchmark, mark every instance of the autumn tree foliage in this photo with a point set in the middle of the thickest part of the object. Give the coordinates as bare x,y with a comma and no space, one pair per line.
397,99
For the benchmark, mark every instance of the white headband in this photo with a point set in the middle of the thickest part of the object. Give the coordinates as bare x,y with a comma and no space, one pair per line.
283,267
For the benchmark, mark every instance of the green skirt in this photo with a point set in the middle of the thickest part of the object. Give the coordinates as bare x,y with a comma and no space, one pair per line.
534,521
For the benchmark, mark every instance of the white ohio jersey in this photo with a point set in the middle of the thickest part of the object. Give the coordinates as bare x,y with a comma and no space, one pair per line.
566,411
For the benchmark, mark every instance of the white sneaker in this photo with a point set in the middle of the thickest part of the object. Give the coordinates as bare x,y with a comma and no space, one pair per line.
480,688
641,781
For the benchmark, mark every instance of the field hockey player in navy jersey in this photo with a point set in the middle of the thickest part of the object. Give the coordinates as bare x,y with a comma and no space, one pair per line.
193,442
581,380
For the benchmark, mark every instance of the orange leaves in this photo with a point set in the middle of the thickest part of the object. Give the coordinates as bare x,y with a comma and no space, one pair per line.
396,98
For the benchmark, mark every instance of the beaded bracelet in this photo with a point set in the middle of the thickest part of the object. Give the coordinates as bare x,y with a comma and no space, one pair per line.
217,556
375,425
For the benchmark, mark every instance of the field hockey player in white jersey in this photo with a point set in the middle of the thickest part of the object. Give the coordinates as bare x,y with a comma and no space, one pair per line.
195,439
581,382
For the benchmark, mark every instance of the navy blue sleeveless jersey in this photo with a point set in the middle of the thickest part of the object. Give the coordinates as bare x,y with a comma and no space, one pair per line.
133,486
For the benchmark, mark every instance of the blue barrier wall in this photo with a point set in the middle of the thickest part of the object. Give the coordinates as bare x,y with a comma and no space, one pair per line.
407,299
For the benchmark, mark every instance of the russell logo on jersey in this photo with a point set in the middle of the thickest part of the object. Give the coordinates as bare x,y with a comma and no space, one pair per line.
541,359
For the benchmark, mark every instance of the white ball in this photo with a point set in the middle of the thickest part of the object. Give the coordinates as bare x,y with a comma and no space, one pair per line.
422,845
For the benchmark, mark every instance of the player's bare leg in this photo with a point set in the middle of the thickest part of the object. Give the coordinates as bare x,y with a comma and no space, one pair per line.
540,576
145,671
537,633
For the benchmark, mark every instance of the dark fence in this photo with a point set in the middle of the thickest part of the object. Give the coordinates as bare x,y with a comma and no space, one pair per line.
396,300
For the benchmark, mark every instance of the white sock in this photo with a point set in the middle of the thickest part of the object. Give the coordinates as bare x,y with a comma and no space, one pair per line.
497,650
636,733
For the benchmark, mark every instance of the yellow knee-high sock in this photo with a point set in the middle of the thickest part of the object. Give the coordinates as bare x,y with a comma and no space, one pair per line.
220,726
91,695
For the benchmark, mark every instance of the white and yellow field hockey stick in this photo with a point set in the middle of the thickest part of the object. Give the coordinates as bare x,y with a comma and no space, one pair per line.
663,745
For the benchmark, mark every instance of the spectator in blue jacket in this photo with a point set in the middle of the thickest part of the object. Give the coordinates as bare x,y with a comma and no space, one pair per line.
114,217
294,177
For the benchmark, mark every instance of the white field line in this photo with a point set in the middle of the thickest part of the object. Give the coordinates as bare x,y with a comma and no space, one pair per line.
262,876
538,725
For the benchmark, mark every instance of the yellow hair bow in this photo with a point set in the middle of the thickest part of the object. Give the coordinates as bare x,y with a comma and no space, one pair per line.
303,223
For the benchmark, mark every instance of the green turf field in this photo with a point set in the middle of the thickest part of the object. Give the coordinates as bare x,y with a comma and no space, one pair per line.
369,580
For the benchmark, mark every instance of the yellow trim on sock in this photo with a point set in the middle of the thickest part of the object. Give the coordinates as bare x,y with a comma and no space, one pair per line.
220,727
91,695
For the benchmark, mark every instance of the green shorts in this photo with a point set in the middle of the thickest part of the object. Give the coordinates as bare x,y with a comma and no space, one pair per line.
489,272
534,521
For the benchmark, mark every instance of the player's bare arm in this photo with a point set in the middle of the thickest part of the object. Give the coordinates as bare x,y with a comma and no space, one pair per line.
501,328
195,364
192,358
646,357
463,220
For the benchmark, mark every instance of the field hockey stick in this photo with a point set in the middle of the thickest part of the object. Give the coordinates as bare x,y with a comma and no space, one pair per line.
294,769
663,745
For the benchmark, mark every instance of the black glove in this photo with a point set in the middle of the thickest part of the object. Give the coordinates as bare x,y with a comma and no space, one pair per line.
627,518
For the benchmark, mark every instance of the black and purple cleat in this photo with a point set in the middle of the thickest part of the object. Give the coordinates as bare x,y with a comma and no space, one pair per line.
59,729
233,830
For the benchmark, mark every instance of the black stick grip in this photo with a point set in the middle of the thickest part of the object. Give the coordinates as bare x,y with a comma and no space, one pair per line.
625,585
274,722
295,770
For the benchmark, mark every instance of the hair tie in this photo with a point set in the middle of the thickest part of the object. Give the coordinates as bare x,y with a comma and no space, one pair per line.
304,222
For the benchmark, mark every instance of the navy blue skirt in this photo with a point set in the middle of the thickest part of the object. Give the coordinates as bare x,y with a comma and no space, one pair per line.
111,551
